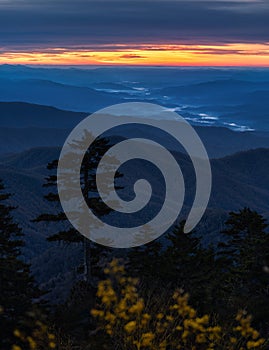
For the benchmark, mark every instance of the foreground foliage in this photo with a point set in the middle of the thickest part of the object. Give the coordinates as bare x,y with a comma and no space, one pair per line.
135,323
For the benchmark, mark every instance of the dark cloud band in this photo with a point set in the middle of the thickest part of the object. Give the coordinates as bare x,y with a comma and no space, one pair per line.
64,23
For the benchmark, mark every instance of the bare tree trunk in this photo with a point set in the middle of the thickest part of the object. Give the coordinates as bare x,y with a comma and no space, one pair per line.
87,261
86,242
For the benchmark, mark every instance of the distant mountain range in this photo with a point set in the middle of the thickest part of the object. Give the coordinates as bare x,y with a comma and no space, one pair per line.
224,90
152,77
234,98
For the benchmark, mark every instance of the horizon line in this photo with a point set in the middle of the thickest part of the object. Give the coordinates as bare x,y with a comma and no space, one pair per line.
31,65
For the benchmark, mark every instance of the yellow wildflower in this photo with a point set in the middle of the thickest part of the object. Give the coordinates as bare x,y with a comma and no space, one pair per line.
130,326
147,339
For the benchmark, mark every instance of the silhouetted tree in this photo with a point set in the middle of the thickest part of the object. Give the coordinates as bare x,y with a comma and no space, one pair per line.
243,259
92,251
177,260
17,287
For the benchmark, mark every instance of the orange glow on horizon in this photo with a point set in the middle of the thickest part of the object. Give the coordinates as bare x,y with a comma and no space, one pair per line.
167,55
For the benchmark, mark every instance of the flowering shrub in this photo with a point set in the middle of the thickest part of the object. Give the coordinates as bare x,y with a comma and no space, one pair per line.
39,339
133,323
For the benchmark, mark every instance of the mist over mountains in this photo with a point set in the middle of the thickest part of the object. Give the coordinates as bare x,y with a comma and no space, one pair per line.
236,98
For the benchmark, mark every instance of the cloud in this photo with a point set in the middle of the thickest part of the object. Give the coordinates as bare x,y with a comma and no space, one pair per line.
66,23
131,56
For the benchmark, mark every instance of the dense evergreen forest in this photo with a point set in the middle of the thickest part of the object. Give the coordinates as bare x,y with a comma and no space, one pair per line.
177,295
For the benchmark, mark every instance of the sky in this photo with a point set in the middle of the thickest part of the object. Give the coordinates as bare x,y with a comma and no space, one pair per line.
135,32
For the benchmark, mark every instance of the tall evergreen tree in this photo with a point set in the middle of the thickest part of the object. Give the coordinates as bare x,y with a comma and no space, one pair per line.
189,265
74,315
17,288
92,251
242,260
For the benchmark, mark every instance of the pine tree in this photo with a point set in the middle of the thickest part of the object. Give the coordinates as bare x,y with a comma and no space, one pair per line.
178,262
243,258
191,266
92,251
74,316
145,260
17,288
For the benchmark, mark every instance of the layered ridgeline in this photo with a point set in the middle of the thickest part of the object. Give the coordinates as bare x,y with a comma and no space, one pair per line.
239,180
24,126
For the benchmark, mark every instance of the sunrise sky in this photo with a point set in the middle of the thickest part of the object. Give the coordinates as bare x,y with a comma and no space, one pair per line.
135,32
